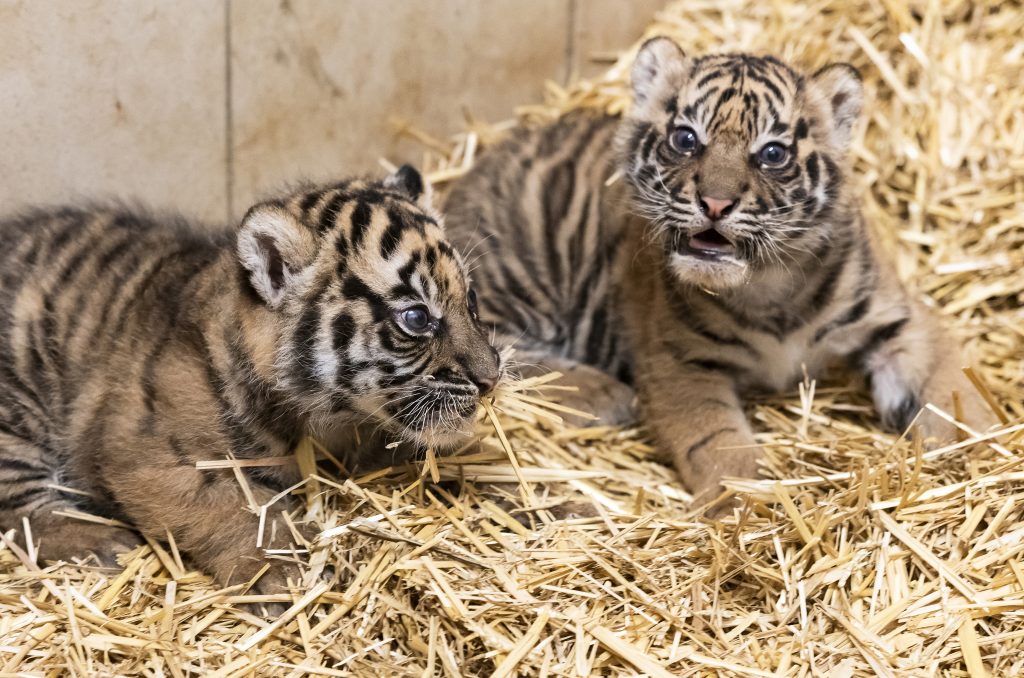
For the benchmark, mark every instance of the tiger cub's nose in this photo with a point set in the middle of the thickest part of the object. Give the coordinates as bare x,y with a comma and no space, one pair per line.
484,383
716,208
484,374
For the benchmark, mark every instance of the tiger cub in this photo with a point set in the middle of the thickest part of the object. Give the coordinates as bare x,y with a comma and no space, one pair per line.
133,347
731,254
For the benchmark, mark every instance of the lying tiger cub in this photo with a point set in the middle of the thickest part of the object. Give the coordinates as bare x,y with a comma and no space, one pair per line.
730,254
133,347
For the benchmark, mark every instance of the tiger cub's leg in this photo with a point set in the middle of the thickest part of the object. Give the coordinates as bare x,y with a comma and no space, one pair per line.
207,514
25,476
697,419
594,391
910,362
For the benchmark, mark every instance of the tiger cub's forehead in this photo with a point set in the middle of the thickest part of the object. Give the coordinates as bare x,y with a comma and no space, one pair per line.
387,239
741,94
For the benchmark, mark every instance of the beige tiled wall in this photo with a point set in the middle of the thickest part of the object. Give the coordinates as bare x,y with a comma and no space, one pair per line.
601,28
108,97
204,105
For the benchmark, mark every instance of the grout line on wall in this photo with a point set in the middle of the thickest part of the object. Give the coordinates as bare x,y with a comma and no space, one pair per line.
229,123
570,43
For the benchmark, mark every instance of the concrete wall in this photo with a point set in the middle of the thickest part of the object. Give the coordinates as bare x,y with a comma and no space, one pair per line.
205,105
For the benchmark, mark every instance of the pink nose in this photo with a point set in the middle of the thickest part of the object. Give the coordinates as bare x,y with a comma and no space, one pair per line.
715,208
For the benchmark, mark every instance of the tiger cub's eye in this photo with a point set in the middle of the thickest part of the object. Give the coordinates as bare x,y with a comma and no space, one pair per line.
471,302
772,155
415,319
683,140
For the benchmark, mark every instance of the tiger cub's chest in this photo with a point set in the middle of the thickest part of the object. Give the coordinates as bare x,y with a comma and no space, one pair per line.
779,364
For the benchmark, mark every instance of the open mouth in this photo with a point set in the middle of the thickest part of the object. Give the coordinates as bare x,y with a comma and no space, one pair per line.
709,244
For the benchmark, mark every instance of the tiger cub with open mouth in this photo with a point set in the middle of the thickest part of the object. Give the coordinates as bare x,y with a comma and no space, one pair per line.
706,246
132,347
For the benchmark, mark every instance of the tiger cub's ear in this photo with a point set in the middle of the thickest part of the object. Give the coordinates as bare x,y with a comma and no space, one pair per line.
274,248
658,72
839,86
408,180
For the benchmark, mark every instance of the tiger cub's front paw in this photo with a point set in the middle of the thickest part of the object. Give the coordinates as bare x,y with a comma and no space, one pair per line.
611,401
937,431
970,411
704,463
73,539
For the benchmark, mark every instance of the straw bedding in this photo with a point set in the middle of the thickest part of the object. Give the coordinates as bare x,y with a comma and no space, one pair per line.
857,554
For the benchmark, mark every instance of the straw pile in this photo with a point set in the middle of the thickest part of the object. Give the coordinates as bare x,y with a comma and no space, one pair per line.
859,554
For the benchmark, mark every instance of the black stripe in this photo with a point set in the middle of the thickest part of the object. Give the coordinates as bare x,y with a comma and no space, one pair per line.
446,249
771,86
714,365
125,272
141,287
22,392
701,100
38,364
878,336
405,275
103,264
309,201
598,321
17,501
355,288
372,195
304,342
855,313
261,402
149,380
558,194
648,143
703,442
514,288
19,465
360,220
339,402
329,214
812,169
71,267
12,428
183,458
576,255
716,338
823,295
343,329
267,477
834,177
392,236
713,75
243,443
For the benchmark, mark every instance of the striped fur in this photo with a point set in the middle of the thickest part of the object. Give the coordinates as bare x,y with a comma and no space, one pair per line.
133,347
730,254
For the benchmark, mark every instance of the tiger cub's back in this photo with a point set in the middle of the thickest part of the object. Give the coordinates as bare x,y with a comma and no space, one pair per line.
70,281
541,227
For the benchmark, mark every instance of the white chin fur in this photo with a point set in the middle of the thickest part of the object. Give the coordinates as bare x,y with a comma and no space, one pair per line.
724,273
442,441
